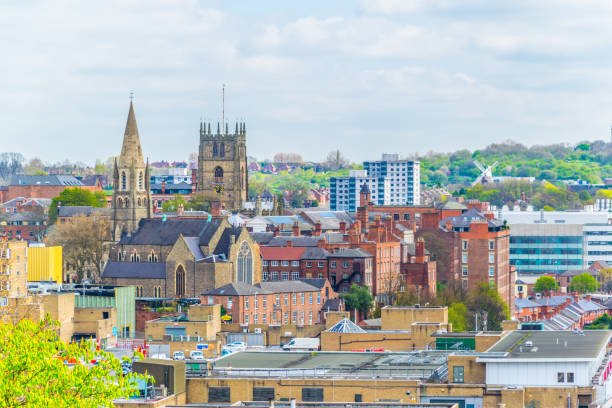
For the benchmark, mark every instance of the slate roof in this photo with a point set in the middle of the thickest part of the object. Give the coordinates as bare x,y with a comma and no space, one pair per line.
262,238
154,231
135,270
287,286
193,243
351,253
464,220
579,272
297,241
315,253
451,205
71,211
345,326
316,282
224,242
57,180
334,305
236,289
523,303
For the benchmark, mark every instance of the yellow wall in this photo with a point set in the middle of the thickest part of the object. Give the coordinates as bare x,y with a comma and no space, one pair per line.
45,264
401,317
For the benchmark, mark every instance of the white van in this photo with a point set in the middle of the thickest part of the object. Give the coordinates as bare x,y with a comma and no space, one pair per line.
196,355
302,344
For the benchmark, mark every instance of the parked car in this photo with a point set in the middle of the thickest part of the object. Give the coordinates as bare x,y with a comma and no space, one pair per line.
196,355
233,347
178,355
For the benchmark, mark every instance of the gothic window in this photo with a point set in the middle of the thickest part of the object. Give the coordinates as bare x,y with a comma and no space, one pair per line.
215,149
135,257
222,150
245,264
140,180
127,203
218,174
180,281
152,257
139,202
123,181
119,202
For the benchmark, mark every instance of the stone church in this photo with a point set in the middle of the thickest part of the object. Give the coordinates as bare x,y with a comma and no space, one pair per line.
178,257
222,165
131,183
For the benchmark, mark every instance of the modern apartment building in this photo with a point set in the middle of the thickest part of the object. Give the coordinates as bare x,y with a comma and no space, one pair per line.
391,181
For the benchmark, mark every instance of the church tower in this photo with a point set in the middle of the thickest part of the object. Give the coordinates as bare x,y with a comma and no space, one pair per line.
222,165
131,182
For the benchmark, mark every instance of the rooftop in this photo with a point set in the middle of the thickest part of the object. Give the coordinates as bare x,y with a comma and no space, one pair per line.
556,345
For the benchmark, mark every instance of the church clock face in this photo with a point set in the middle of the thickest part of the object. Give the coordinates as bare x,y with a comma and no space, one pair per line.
218,188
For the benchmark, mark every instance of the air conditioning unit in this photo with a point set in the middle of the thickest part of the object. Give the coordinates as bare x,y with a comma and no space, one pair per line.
258,330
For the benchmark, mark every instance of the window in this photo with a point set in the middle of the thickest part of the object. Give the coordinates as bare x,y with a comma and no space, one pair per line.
265,301
357,278
560,377
264,318
310,298
277,300
286,317
309,264
295,263
286,299
570,377
332,264
294,298
312,394
464,244
285,275
491,245
274,276
320,275
274,263
464,271
491,258
345,265
302,297
245,264
458,374
255,318
140,180
294,317
302,317
256,301
246,303
464,283
319,298
265,263
491,271
210,300
246,318
266,275
320,264
123,181
229,302
464,258
284,263
295,275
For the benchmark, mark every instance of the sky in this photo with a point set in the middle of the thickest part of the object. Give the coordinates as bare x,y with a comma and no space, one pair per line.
363,76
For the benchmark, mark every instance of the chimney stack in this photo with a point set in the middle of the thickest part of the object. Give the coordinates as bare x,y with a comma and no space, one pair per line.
163,187
343,227
296,229
318,229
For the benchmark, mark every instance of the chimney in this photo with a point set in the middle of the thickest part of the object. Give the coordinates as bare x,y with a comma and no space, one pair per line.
215,210
576,298
520,295
362,216
154,207
449,224
321,243
289,244
588,297
420,250
194,177
343,227
296,229
163,187
317,229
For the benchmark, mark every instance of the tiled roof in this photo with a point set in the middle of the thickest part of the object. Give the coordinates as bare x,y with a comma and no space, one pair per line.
523,303
281,241
351,253
314,253
155,231
193,243
288,286
72,211
316,282
236,289
332,305
262,238
281,253
135,270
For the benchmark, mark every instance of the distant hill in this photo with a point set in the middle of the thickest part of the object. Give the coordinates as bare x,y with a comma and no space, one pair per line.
587,161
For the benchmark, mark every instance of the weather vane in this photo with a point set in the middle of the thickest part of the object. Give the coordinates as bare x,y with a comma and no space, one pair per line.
131,96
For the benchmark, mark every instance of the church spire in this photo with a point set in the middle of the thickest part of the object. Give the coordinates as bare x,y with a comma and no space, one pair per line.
131,152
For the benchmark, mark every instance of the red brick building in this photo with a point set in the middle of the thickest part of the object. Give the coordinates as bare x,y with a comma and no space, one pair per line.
41,186
417,270
298,302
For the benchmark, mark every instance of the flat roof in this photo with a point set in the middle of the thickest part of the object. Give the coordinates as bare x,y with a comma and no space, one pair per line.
557,345
418,364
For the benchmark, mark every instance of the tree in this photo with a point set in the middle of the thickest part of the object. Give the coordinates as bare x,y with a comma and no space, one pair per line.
34,371
335,160
358,297
605,276
584,283
485,302
545,284
11,163
34,166
173,205
75,197
84,243
458,316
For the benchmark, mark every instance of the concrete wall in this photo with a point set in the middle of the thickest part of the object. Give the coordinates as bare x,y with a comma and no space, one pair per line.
401,318
60,307
156,329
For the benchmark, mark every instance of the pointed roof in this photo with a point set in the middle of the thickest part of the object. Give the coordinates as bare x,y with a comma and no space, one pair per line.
131,152
345,326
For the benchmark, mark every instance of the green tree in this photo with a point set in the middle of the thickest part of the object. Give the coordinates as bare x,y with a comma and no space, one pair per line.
76,197
39,370
173,205
458,316
584,283
545,284
358,297
485,302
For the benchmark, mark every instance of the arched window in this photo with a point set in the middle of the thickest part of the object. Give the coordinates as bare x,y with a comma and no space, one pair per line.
119,202
180,281
123,181
140,180
245,264
139,202
218,174
222,150
215,149
135,257
127,203
152,257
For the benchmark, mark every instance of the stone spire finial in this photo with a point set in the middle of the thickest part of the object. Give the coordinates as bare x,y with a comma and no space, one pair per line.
218,129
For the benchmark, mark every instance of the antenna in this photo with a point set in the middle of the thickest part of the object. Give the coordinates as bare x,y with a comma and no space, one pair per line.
223,109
